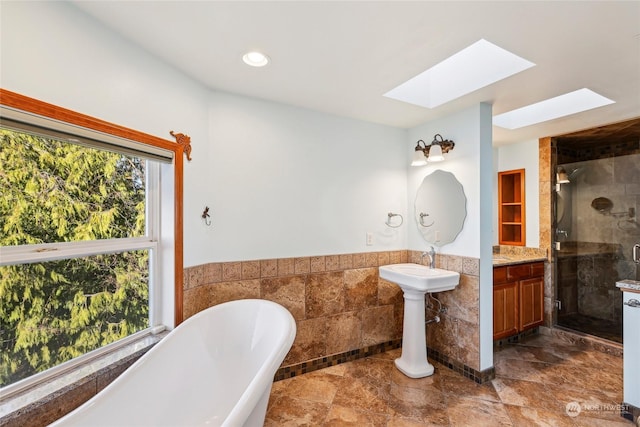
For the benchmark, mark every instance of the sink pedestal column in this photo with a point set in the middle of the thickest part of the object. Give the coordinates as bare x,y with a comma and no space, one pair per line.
413,361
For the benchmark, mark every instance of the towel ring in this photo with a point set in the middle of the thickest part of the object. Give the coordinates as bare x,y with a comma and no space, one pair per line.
422,215
391,215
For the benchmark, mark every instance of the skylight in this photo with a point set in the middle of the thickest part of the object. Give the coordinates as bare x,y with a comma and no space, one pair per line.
570,103
473,68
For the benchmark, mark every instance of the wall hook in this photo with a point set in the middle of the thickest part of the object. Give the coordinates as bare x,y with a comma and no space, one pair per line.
205,215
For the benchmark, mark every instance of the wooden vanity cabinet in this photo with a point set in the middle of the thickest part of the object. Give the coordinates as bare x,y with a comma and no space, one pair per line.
518,298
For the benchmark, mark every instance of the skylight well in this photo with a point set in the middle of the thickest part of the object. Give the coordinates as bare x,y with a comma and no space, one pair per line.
560,106
473,68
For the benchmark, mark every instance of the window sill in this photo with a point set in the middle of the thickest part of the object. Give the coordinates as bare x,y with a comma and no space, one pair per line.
48,401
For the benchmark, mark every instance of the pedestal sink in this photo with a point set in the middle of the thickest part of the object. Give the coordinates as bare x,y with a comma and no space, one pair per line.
416,280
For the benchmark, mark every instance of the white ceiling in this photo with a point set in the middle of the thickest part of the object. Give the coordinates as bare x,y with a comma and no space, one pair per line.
341,57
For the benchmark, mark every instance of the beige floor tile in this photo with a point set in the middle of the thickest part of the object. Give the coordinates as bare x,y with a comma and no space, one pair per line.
465,412
534,382
341,416
526,417
459,386
286,411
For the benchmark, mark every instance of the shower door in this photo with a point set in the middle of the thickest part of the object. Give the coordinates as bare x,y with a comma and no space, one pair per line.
596,228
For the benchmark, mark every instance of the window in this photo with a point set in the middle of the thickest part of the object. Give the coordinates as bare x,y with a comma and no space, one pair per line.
78,234
99,260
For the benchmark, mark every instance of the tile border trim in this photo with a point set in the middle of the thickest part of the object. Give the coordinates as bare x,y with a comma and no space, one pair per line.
335,359
479,377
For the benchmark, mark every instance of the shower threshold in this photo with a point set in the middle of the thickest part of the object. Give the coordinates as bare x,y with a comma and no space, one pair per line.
599,328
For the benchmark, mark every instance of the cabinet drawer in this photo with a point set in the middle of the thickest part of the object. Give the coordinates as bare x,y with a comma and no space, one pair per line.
537,269
499,275
517,272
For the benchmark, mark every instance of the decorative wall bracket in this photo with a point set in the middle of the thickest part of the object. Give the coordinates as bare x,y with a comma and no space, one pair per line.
184,141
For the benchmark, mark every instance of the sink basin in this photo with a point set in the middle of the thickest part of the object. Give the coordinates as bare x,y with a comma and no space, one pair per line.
416,277
416,280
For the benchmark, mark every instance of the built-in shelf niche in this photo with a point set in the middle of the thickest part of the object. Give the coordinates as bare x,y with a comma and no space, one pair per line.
511,208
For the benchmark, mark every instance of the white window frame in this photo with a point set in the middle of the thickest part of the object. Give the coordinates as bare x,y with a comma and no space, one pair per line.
24,254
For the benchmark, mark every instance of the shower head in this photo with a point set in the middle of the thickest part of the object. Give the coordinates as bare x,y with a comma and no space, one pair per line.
602,205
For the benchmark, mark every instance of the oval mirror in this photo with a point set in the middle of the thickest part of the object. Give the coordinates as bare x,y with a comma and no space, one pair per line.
440,208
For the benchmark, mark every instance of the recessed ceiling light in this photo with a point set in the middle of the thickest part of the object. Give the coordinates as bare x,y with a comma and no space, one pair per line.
474,67
255,59
552,108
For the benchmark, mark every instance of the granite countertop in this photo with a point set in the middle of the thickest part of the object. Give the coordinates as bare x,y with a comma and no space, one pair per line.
629,285
500,260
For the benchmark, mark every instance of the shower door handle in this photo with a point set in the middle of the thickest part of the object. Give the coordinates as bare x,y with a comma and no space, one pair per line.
636,253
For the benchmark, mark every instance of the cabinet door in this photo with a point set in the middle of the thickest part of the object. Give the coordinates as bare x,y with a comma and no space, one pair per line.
505,310
531,303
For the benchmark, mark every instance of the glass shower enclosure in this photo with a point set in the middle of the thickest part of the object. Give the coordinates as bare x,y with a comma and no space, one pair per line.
597,199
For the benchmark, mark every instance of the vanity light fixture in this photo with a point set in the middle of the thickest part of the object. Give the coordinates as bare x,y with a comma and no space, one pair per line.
255,59
432,152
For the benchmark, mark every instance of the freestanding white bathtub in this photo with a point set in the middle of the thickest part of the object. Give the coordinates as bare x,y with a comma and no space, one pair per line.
215,369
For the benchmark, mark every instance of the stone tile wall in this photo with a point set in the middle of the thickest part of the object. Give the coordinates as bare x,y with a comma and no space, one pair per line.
339,302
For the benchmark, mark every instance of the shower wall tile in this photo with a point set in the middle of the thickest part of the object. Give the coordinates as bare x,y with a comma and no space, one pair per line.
547,157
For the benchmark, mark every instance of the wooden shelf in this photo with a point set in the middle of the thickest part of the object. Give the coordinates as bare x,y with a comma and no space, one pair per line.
511,208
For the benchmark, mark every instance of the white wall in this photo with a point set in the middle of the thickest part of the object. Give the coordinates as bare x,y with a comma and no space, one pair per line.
463,161
280,181
523,155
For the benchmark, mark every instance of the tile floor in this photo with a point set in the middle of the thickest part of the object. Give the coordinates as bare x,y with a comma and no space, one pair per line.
535,380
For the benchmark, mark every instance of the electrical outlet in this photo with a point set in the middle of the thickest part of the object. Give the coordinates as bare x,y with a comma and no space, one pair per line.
369,238
437,235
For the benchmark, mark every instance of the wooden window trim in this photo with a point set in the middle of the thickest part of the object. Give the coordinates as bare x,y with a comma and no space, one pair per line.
181,146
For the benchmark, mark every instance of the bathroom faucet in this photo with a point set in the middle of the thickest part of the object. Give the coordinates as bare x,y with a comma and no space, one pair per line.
432,257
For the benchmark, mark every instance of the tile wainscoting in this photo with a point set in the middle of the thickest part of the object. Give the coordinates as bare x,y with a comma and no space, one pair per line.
343,309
